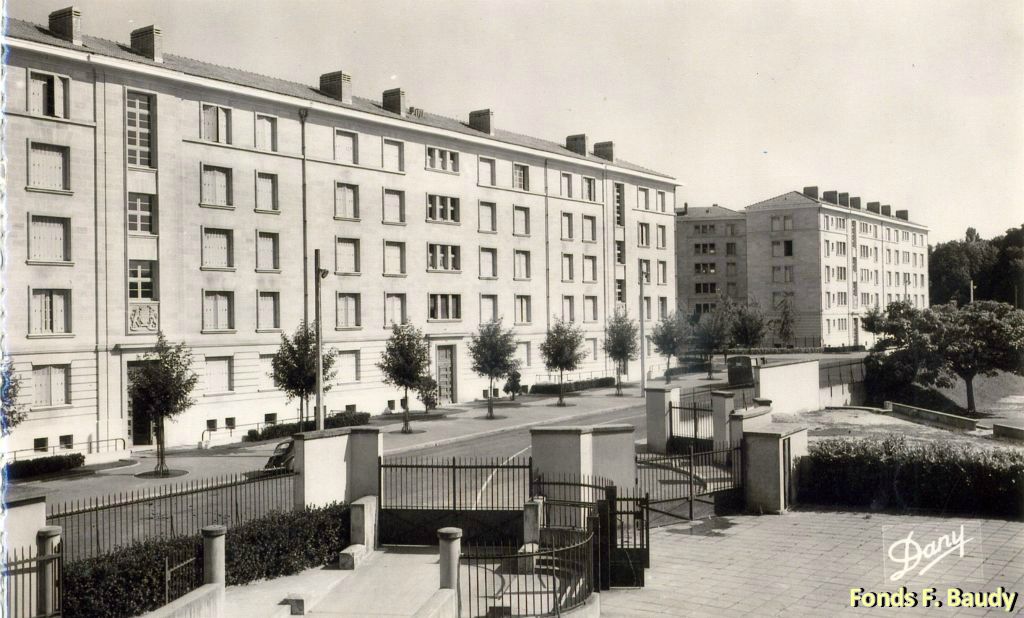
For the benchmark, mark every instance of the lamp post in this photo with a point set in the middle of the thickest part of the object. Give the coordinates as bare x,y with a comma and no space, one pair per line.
643,337
320,273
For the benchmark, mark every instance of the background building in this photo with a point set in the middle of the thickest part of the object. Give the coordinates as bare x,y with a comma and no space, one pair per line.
150,191
711,257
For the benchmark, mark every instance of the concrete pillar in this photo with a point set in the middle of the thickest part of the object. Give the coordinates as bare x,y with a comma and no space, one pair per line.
213,555
770,456
533,520
24,514
336,465
47,539
614,451
722,405
659,401
363,521
449,549
366,447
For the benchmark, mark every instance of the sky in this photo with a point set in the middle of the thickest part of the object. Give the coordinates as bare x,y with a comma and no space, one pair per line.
917,104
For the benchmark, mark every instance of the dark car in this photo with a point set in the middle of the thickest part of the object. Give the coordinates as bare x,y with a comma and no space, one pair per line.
283,457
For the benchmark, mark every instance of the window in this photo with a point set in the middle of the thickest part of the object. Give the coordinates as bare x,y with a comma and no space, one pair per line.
486,172
346,201
782,248
141,279
48,167
589,228
566,226
644,199
704,229
51,312
840,273
704,268
218,311
394,258
620,204
661,201
219,374
488,308
443,160
523,353
524,314
444,257
840,248
266,381
567,267
445,306
841,299
590,189
782,274
779,297
394,309
394,156
139,129
566,185
521,221
645,271
229,422
50,385
662,273
216,124
705,288
346,147
488,217
346,256
266,192
865,251
268,311
266,133
521,177
782,223
218,249
592,347
704,248
662,237
268,252
568,309
662,307
47,95
590,308
216,186
620,252
394,206
647,315
142,213
730,248
488,263
521,268
644,234
589,268
49,239
730,269
620,290
348,366
442,208
347,310
67,441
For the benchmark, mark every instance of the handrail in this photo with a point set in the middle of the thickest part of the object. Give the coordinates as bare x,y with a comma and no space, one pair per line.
53,450
231,430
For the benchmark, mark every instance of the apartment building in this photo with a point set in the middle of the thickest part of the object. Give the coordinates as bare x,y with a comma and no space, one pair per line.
831,256
148,191
711,257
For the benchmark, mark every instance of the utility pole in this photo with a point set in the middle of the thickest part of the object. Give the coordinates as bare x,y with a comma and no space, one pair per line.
643,337
972,290
319,273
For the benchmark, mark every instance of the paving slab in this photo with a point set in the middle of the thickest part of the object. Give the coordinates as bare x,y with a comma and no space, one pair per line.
394,582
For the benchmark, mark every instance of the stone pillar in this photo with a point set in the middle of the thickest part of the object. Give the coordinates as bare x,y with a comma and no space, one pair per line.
614,451
722,405
47,539
771,480
363,521
365,447
533,520
24,514
659,401
213,554
449,549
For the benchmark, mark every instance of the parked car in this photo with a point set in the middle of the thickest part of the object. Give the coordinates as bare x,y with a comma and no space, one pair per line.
283,456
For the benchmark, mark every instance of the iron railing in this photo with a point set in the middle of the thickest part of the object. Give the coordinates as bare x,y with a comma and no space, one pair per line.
672,478
32,583
95,526
183,571
89,447
458,483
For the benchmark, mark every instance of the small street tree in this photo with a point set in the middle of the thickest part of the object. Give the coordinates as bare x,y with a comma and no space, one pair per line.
621,344
749,325
669,337
493,350
512,385
562,350
426,391
161,388
405,363
13,412
293,367
784,326
712,333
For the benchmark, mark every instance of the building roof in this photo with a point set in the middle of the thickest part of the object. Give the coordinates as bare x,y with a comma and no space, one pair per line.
24,30
710,212
796,198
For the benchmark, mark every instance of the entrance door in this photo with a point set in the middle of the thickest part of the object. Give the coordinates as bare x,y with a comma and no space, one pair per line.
140,426
445,374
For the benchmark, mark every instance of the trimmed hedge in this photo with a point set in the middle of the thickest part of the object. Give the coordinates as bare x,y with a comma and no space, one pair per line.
892,473
572,387
130,581
27,468
287,430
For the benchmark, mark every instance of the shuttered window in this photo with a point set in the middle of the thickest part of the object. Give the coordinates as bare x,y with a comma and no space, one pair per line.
346,147
589,189
141,280
521,220
216,188
50,239
568,309
486,172
48,95
589,228
524,313
567,225
488,217
394,258
348,310
48,167
567,267
567,185
522,265
348,366
219,378
51,312
266,192
488,308
523,353
661,201
267,251
521,177
394,206
590,308
346,255
644,198
217,124
488,263
50,385
141,213
589,268
139,129
394,308
266,133
346,201
217,248
393,156
268,311
662,236
218,311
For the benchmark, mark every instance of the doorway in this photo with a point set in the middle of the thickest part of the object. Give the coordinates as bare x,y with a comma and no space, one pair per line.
446,374
140,426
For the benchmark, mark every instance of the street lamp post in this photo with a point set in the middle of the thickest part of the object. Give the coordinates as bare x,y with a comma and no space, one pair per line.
643,338
320,273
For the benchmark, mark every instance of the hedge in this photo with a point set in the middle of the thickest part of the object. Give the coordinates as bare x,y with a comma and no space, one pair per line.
892,473
27,468
130,581
286,430
571,387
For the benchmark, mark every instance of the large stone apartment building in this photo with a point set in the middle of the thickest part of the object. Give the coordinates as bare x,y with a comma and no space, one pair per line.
833,257
148,191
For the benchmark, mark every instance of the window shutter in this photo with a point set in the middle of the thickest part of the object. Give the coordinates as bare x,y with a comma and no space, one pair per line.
393,258
392,206
346,256
37,94
210,123
49,239
223,126
59,308
265,252
348,367
345,147
216,249
223,319
58,96
345,201
268,310
47,166
208,189
209,310
41,386
58,384
392,156
265,192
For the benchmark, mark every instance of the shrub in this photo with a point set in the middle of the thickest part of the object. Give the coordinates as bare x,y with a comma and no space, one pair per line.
571,387
27,468
949,477
130,581
287,430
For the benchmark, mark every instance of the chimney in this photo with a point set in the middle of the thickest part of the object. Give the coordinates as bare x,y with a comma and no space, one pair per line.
482,120
686,207
874,207
844,199
605,150
903,214
67,24
832,197
887,210
337,85
394,101
577,144
855,203
148,42
811,192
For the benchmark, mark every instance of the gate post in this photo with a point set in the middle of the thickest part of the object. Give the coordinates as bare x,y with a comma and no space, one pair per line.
604,548
659,400
213,555
47,540
722,405
449,549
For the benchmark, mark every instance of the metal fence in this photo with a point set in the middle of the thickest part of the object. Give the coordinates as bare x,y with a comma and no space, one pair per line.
848,372
95,526
32,583
87,447
183,571
674,482
455,484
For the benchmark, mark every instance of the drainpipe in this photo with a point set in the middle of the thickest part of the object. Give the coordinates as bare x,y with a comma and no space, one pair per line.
303,112
547,255
604,243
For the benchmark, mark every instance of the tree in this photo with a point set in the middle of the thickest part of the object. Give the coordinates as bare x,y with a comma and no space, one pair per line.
621,344
13,412
953,267
562,351
905,350
405,363
749,325
426,390
784,326
512,385
669,336
161,388
493,351
293,367
712,333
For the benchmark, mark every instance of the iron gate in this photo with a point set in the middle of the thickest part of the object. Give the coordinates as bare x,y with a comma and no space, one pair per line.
691,424
686,487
